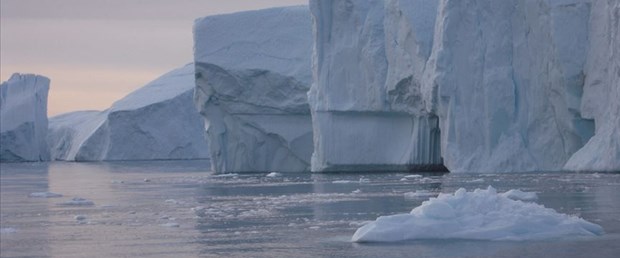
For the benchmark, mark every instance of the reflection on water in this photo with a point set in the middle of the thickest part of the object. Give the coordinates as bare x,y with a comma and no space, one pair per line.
177,208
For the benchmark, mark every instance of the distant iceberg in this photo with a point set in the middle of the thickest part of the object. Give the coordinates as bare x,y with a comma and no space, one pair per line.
252,76
477,215
155,122
23,118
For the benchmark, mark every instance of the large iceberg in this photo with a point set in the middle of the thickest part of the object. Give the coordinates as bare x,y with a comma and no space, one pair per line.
601,93
480,85
252,77
368,59
506,79
479,215
23,118
157,121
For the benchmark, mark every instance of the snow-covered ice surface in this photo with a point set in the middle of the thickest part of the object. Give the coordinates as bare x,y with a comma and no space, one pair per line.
367,109
479,215
250,215
23,118
157,121
252,76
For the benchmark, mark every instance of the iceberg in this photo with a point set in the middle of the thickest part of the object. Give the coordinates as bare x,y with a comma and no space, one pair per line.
505,79
601,93
157,121
368,59
23,118
477,215
252,77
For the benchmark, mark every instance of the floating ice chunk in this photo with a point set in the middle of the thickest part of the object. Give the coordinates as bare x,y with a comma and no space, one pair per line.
418,194
274,174
226,175
80,217
357,191
479,180
77,201
170,225
413,176
343,182
199,211
516,194
44,195
480,215
364,180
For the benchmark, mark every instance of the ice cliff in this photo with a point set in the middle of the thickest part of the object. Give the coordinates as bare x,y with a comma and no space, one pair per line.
601,93
368,59
485,85
157,121
23,118
252,76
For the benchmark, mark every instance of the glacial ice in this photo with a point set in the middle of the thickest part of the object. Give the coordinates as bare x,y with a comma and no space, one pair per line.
601,93
252,76
478,215
478,85
23,118
157,121
366,104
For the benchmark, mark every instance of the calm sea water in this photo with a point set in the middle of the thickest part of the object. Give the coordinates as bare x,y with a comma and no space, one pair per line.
166,209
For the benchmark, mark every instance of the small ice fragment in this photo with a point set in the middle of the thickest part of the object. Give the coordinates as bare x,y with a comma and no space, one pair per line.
274,174
171,225
517,194
419,194
80,217
77,201
147,180
479,180
314,227
413,176
199,211
164,217
357,191
226,175
343,182
364,180
44,195
403,179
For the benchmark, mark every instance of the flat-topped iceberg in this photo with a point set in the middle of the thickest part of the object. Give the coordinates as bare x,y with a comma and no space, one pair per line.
252,76
477,215
23,118
157,121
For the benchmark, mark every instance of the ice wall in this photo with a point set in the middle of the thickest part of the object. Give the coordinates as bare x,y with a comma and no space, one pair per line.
506,79
601,94
23,118
157,121
252,76
368,58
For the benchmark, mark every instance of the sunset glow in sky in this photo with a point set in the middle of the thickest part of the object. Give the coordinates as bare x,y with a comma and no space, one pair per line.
96,52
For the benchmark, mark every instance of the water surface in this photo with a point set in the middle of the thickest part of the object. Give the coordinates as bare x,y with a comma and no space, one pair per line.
138,206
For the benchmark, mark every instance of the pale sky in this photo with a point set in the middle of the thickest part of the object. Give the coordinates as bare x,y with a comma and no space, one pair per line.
97,51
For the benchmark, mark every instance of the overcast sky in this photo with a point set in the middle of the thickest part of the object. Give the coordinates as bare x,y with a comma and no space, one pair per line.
97,51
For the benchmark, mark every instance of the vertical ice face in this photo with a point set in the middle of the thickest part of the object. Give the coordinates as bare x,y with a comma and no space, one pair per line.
23,118
506,78
155,122
367,106
252,77
601,94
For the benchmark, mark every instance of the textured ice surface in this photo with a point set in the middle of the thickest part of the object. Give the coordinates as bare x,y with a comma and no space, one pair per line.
252,76
368,59
480,215
157,121
505,78
601,93
23,118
